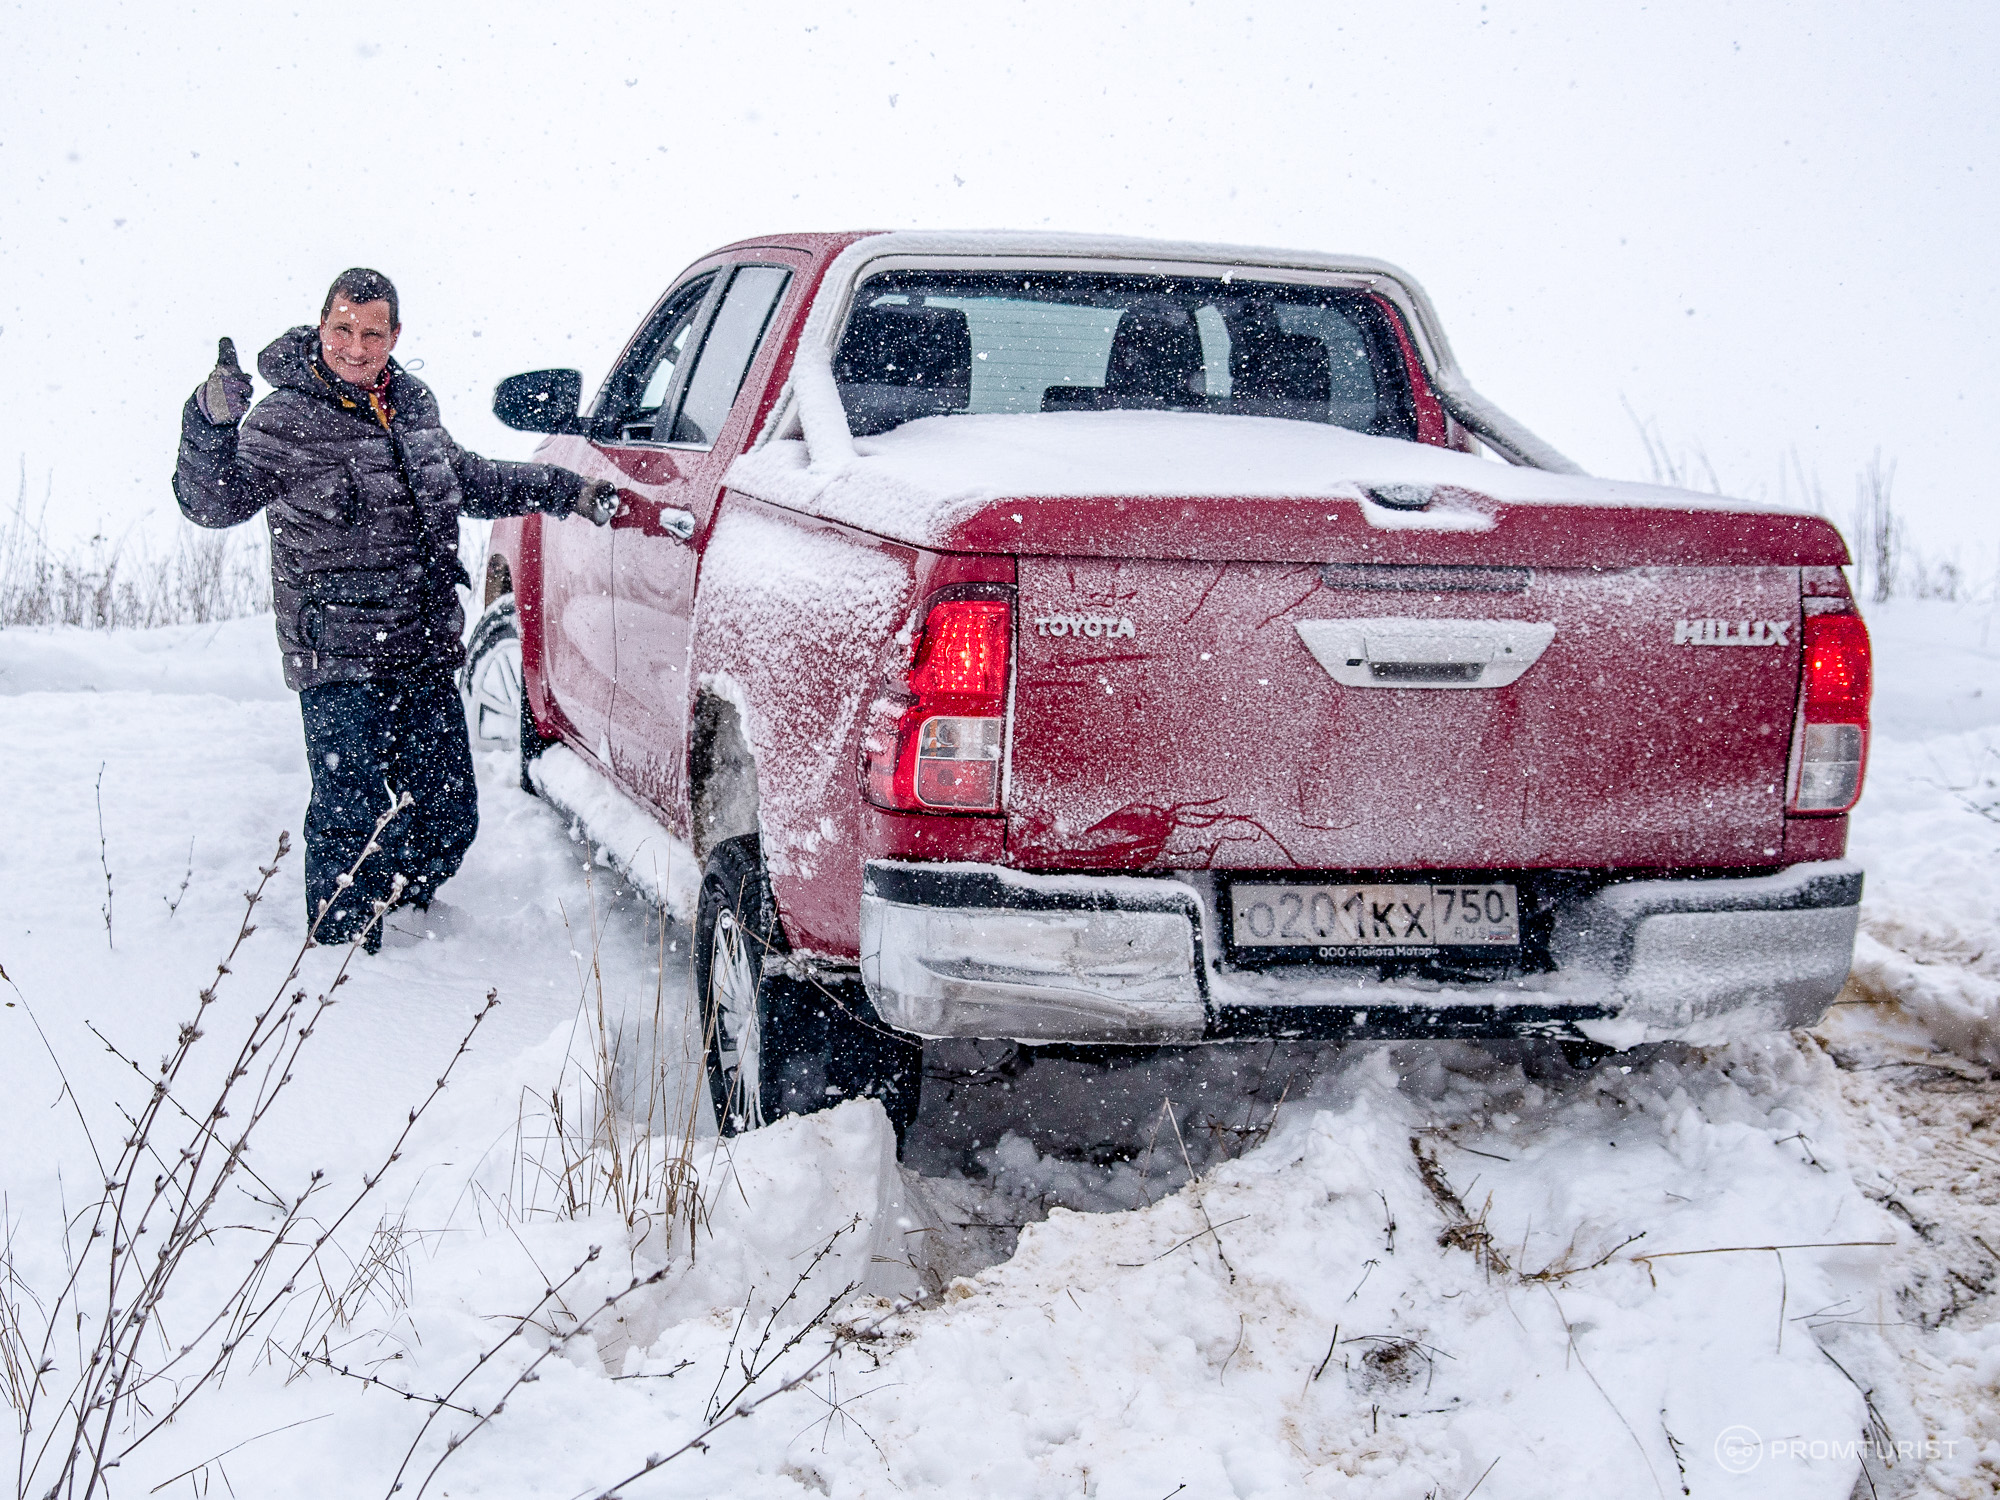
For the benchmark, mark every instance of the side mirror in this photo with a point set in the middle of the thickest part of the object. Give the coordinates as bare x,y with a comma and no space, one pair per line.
540,401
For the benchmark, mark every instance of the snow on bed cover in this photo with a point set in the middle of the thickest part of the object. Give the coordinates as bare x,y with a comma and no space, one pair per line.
919,481
1291,1324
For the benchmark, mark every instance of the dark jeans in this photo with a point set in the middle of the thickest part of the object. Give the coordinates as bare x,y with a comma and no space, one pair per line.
364,739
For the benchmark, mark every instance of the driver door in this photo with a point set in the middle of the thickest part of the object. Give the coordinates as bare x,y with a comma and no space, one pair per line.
697,401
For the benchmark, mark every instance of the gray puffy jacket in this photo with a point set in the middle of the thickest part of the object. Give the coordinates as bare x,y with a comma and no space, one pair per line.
364,520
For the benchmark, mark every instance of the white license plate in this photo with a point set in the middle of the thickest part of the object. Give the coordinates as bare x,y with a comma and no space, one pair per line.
1376,921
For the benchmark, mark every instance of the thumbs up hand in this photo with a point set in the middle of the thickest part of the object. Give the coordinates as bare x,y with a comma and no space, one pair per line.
225,395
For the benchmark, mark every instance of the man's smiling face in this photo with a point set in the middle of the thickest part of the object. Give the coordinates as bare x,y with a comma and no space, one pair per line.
355,339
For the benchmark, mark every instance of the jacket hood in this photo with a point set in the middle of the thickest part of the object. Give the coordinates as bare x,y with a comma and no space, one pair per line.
289,360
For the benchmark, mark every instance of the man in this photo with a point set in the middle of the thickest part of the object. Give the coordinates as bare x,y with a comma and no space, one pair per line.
362,489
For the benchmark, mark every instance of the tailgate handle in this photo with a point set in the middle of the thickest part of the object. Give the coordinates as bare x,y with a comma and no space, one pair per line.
1406,652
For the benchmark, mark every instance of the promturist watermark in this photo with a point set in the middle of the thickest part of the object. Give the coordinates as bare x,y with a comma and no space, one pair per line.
1739,1449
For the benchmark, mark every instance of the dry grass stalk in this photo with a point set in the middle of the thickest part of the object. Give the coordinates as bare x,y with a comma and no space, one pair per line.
17,1352
580,1149
103,584
1467,1231
161,1187
104,855
379,1276
1462,1230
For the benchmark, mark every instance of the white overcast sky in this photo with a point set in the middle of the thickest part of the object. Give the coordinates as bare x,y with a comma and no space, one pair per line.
1769,229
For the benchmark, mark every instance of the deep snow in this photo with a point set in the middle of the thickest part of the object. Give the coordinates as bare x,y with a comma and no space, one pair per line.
1312,1316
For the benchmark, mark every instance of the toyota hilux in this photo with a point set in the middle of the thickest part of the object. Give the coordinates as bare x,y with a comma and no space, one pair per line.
1144,644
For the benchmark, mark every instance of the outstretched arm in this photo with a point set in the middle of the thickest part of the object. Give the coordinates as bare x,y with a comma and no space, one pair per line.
493,487
211,482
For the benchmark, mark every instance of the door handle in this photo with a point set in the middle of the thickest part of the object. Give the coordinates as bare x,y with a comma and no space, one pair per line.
634,514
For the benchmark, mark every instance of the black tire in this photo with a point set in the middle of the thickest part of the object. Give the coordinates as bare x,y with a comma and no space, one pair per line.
490,680
775,1044
495,688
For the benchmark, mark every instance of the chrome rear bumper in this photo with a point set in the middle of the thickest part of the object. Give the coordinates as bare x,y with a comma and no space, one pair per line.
982,951
959,950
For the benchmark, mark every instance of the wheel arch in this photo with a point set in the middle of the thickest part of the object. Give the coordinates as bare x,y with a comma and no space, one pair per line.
514,561
723,784
499,579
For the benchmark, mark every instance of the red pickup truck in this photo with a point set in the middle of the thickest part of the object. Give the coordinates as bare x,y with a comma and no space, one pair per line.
1120,642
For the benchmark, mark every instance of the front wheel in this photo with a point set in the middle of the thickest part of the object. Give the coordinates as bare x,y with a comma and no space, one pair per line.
491,678
495,688
777,1044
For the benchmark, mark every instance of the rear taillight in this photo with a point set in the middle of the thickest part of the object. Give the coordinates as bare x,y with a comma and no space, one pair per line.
1833,714
945,747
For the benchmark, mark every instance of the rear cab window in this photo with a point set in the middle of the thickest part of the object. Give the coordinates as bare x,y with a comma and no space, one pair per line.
928,343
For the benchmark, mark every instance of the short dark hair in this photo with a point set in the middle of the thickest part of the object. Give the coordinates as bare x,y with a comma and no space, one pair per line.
359,284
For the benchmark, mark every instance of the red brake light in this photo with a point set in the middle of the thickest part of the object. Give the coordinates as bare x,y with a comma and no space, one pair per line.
963,654
945,750
1837,669
1832,751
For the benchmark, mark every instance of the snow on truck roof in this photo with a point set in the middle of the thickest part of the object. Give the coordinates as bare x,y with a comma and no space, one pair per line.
922,471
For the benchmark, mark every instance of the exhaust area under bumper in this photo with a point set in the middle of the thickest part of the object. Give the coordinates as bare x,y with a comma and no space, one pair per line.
983,951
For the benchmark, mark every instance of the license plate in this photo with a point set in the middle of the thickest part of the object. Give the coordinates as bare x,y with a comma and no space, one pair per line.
1374,921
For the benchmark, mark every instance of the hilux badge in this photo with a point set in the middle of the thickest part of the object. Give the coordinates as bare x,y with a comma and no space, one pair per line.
1098,627
1731,632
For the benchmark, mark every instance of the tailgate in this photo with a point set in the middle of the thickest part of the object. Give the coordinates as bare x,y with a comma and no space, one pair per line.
1174,715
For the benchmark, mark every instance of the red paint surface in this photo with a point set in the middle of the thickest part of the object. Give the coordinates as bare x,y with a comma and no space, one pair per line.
1235,529
1214,739
1822,837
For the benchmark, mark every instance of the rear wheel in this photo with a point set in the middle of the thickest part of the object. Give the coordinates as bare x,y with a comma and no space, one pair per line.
777,1044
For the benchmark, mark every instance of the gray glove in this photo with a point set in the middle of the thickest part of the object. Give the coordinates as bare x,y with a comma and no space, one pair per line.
225,395
597,501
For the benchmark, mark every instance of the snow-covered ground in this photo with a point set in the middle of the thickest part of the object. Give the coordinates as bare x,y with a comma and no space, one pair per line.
1407,1270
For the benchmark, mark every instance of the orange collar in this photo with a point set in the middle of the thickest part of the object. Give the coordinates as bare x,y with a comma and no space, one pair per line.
378,399
377,394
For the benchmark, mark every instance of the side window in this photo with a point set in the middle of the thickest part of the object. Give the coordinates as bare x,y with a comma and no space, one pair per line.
632,413
724,359
661,381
